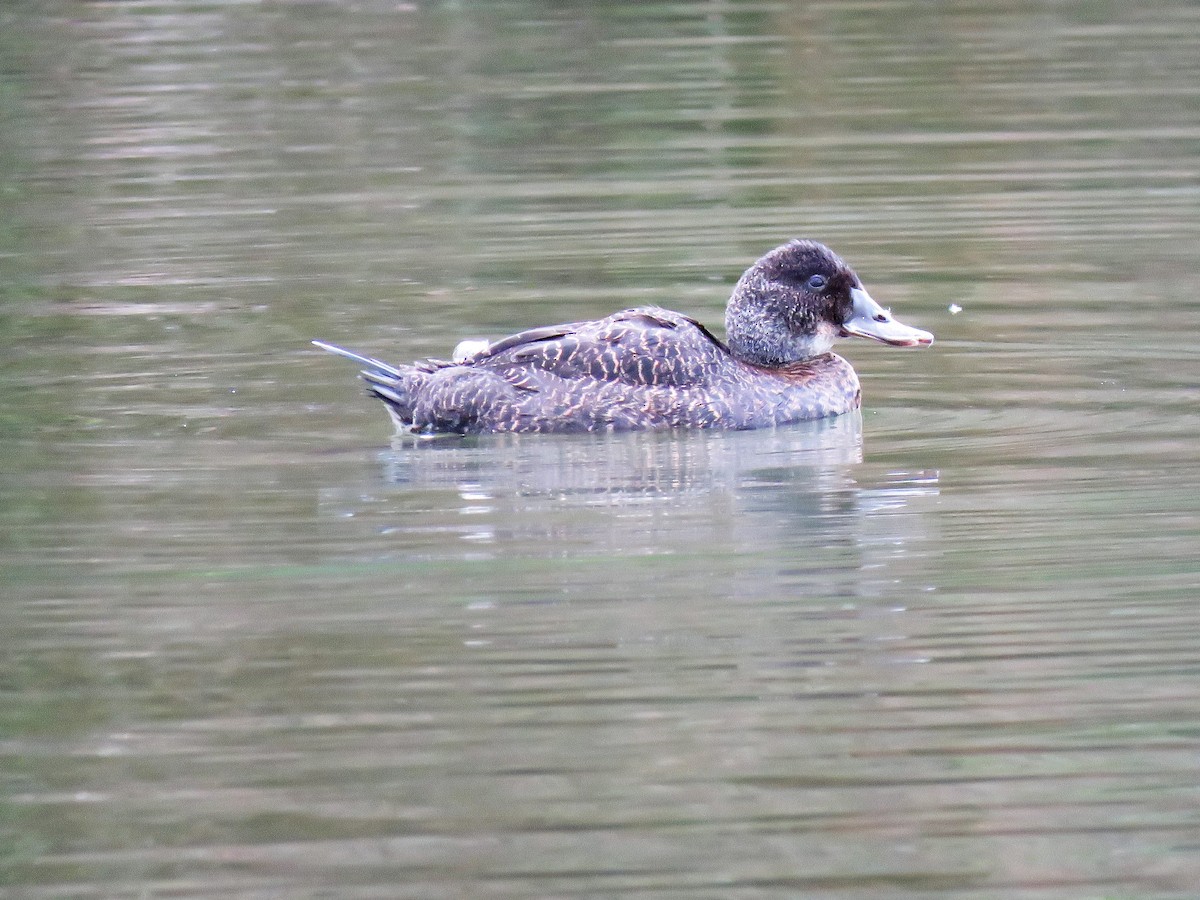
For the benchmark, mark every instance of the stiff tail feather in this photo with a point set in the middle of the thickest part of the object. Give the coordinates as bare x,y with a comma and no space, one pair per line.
388,383
370,362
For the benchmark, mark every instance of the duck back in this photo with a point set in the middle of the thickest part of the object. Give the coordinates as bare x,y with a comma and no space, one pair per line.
638,369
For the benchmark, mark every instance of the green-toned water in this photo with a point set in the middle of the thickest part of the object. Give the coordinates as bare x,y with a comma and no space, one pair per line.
254,646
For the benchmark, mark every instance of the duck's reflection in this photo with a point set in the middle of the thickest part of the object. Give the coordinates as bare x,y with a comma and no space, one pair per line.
790,494
780,541
617,468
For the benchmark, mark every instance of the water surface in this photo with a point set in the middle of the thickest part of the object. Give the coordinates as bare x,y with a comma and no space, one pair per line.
256,645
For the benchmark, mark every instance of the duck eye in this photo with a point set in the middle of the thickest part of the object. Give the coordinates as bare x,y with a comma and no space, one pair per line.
817,282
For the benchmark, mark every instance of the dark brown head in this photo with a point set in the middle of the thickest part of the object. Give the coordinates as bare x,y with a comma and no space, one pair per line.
795,301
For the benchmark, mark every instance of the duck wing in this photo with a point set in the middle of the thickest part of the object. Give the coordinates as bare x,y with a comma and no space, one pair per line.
646,347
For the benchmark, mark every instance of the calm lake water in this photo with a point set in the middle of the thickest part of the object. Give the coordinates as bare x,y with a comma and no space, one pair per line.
256,646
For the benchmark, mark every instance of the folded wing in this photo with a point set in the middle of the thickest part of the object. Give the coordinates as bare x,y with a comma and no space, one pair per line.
644,347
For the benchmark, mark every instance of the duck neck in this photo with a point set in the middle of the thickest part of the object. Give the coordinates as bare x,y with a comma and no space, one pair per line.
773,350
759,334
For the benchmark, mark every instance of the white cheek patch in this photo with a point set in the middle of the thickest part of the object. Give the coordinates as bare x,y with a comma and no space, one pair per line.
807,345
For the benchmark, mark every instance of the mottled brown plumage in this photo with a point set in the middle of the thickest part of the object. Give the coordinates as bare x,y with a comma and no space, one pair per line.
653,368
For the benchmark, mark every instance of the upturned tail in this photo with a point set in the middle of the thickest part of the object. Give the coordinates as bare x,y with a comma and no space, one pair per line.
370,362
390,384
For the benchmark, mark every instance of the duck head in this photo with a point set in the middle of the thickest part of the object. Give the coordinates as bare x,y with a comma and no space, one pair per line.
794,302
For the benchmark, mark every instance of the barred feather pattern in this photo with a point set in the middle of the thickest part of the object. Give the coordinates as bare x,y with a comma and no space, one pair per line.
638,369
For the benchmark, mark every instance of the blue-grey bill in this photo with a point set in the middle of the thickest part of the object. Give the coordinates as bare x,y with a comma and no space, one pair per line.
870,320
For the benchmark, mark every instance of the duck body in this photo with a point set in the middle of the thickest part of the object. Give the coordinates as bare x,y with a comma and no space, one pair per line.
653,368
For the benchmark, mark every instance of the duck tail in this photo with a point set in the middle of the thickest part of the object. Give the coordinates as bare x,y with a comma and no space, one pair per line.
369,361
394,386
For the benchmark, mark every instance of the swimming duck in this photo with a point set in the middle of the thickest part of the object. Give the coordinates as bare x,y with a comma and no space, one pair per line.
652,368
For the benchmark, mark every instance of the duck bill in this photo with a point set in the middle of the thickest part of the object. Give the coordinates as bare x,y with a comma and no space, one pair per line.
870,320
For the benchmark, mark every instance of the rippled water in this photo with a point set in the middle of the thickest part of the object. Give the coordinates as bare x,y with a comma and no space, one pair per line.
256,646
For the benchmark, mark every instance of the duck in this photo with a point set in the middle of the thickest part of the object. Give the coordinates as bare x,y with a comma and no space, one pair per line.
652,368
